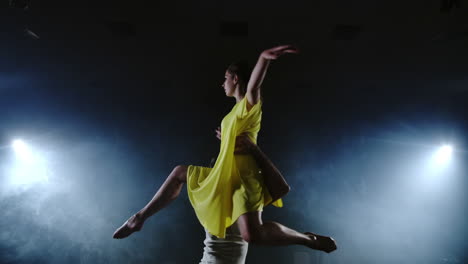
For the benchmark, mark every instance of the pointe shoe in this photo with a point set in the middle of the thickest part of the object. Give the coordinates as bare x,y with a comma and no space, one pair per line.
323,243
133,224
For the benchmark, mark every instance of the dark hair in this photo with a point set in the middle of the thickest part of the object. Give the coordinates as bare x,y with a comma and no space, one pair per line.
242,70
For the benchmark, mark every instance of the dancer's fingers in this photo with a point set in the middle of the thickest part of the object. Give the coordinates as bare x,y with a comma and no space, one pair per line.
286,49
282,47
291,51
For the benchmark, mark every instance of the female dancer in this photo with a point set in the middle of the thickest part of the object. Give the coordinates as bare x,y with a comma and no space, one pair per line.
233,191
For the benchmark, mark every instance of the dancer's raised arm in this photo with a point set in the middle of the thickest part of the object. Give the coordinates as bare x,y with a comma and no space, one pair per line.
258,73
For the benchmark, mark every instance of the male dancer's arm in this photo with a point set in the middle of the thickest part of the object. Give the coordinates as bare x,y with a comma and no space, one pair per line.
274,180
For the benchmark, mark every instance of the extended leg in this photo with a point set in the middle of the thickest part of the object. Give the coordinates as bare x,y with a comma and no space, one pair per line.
169,191
254,230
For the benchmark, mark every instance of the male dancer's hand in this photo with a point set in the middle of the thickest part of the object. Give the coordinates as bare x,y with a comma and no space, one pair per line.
244,144
218,133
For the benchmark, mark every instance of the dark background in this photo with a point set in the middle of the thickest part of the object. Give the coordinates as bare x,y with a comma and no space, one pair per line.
115,94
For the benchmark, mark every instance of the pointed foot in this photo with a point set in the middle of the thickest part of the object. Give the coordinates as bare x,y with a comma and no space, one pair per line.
133,224
323,243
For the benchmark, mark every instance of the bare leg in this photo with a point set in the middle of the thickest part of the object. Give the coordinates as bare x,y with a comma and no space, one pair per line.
254,230
168,192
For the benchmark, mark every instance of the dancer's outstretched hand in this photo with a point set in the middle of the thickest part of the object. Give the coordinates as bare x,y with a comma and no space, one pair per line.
274,53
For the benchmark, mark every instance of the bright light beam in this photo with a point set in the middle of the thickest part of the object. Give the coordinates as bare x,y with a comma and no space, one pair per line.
22,150
29,167
443,155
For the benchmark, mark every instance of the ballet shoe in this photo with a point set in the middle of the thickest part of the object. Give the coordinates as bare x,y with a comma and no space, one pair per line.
133,224
323,243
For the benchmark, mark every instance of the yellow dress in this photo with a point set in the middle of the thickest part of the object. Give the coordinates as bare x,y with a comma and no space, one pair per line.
234,185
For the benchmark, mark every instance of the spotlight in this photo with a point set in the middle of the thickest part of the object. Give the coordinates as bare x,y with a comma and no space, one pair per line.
22,150
443,154
29,166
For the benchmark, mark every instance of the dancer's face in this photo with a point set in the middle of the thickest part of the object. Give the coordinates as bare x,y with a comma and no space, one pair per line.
229,85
